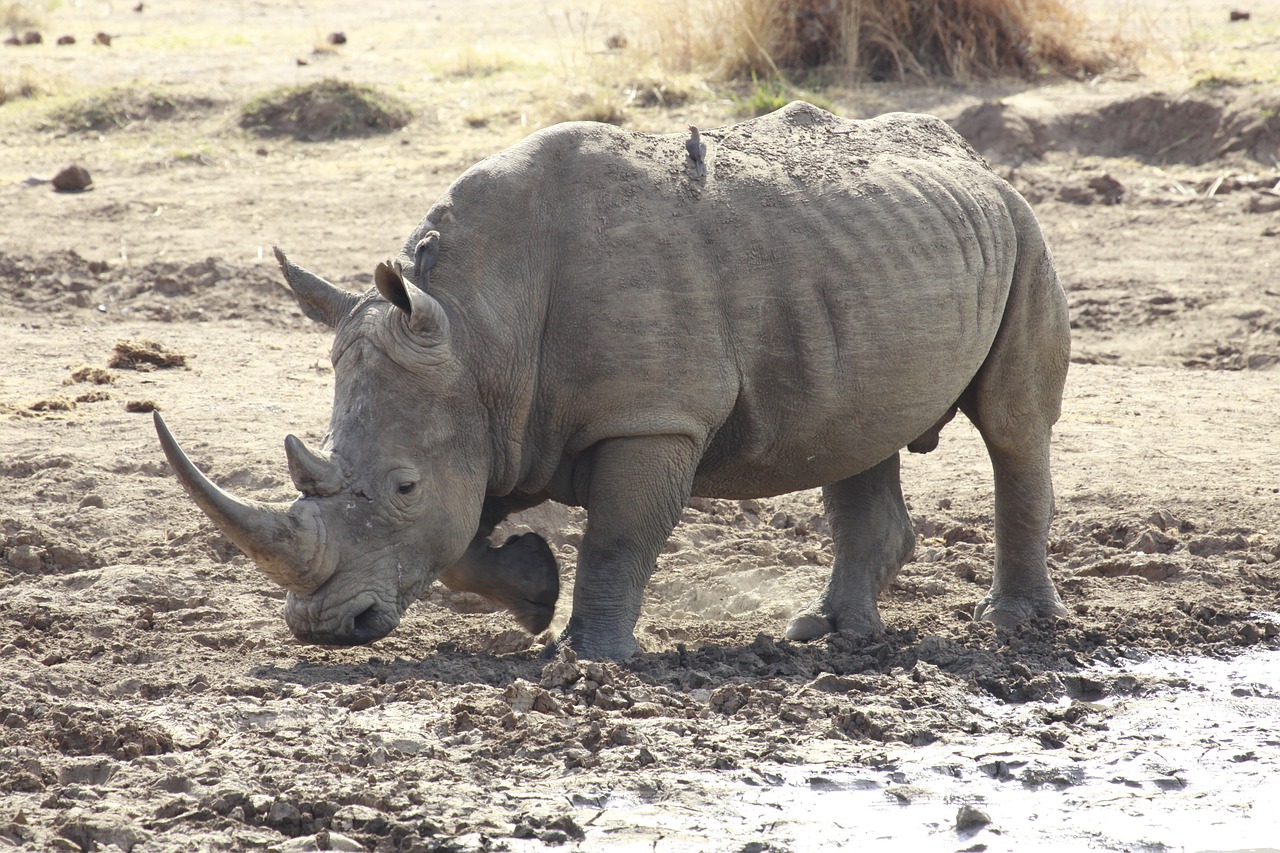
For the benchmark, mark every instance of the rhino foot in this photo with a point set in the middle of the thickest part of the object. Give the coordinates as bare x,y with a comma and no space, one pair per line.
814,623
592,645
531,581
809,626
1007,611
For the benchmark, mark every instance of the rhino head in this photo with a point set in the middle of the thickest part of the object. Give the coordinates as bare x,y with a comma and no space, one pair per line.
393,496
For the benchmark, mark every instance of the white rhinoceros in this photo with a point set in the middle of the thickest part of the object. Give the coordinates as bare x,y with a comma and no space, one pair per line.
607,327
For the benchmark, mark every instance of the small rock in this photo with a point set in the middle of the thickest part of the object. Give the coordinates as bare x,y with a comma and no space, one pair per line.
337,38
338,841
73,179
561,672
26,558
103,39
520,695
1240,15
283,815
1263,203
95,501
66,39
971,817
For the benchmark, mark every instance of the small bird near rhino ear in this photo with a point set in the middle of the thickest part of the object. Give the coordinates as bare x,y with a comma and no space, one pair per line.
424,257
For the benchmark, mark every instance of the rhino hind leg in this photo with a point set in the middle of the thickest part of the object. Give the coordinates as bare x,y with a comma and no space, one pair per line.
1014,402
873,538
521,576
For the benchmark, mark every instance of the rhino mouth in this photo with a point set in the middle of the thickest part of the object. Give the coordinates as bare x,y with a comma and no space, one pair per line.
359,624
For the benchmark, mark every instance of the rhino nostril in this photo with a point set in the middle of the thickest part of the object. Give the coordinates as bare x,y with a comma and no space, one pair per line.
370,624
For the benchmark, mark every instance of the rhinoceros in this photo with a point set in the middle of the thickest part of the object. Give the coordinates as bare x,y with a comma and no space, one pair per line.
585,319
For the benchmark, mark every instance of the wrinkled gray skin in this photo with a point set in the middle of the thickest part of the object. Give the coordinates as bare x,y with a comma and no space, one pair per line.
600,330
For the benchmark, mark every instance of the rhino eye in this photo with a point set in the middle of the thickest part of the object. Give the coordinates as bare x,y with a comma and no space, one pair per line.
406,488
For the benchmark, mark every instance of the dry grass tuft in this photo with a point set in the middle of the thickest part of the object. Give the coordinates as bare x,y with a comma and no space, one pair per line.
21,16
880,39
24,83
122,107
600,104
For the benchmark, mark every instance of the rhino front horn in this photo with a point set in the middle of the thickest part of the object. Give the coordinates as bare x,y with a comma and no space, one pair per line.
285,540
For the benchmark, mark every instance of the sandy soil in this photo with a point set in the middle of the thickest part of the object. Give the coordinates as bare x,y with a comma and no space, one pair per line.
152,699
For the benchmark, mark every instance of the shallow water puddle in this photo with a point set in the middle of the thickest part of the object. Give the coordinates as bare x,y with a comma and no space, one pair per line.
1193,765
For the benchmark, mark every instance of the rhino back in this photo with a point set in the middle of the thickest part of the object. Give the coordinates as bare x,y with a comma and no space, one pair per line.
816,303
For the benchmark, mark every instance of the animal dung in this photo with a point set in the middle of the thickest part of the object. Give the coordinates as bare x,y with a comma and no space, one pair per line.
73,179
66,39
103,39
337,38
144,355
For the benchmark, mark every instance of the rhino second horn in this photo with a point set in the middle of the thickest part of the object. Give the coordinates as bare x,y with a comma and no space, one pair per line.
318,299
315,474
284,540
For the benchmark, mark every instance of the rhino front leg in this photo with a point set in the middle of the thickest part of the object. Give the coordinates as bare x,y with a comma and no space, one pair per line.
635,490
873,538
520,576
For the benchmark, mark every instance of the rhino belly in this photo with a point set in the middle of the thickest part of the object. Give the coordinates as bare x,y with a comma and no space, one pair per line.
782,439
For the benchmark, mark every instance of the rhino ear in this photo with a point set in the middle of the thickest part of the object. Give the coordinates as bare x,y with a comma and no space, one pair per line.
319,300
426,315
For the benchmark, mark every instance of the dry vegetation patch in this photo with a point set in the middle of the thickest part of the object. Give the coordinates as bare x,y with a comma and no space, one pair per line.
328,109
883,39
122,107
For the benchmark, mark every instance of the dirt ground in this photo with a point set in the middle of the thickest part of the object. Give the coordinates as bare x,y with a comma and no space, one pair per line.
151,697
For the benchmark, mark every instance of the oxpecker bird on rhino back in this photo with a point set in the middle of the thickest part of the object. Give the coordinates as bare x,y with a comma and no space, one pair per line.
579,319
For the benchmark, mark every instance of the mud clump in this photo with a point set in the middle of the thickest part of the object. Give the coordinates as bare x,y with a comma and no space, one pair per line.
1153,127
96,375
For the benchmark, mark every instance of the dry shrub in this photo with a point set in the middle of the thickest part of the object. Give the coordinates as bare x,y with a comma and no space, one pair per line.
328,109
879,39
